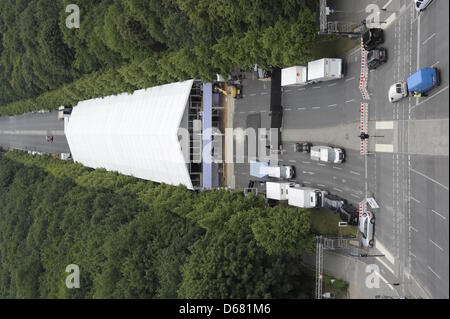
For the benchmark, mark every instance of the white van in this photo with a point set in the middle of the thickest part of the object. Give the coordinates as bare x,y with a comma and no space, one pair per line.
397,91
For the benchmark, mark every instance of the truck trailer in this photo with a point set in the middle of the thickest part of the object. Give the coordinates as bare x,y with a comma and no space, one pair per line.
327,154
326,69
264,170
305,197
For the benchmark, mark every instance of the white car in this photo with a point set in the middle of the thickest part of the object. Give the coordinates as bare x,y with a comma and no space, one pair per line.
421,5
366,227
397,91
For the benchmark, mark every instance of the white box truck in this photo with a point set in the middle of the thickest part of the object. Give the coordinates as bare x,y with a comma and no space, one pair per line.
263,170
277,190
295,75
327,154
305,197
326,69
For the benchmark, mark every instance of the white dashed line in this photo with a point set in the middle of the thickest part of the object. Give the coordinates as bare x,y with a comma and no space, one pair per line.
316,87
429,178
434,64
338,190
288,109
412,255
333,84
287,91
293,161
433,272
349,79
339,168
301,89
355,173
304,162
417,201
331,105
436,245
315,107
321,185
349,101
413,229
306,182
263,93
253,94
428,39
320,164
300,108
263,111
443,217
241,112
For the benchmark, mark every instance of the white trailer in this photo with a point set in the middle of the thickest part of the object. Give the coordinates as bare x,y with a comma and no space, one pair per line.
327,154
294,75
305,197
277,190
326,69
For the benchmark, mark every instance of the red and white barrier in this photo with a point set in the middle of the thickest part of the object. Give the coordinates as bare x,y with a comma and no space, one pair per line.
364,127
363,77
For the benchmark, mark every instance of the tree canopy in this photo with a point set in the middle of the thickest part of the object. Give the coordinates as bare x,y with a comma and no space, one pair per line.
136,239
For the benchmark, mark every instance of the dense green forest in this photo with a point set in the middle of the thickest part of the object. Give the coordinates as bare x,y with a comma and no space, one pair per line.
137,239
123,45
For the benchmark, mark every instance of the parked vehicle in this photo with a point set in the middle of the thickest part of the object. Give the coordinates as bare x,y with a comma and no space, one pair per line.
420,82
333,202
376,57
397,91
263,170
295,194
64,110
303,147
305,197
424,80
326,69
349,214
421,5
372,38
327,154
366,227
294,75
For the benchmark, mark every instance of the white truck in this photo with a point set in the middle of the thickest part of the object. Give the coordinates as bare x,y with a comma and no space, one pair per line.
327,154
262,170
296,195
326,69
305,197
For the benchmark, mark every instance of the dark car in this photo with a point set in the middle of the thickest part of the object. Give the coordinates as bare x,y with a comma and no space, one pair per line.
349,214
372,38
333,202
376,57
303,147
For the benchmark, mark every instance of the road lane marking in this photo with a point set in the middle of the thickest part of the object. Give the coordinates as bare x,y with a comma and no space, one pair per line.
349,101
288,109
349,79
433,272
387,4
333,84
320,164
293,161
429,38
429,178
339,168
428,98
384,148
300,108
263,111
32,132
385,281
331,105
253,94
385,252
304,162
436,245
410,227
355,173
301,89
306,182
434,64
315,107
287,91
337,189
321,185
443,217
385,265
412,255
263,93
316,87
384,125
417,201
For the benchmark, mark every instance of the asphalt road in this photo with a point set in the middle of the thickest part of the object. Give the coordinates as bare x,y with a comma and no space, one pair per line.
28,132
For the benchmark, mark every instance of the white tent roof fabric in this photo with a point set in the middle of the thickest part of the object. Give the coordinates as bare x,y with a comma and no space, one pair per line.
133,134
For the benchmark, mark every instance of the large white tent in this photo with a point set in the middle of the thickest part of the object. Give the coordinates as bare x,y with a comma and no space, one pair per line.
134,134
